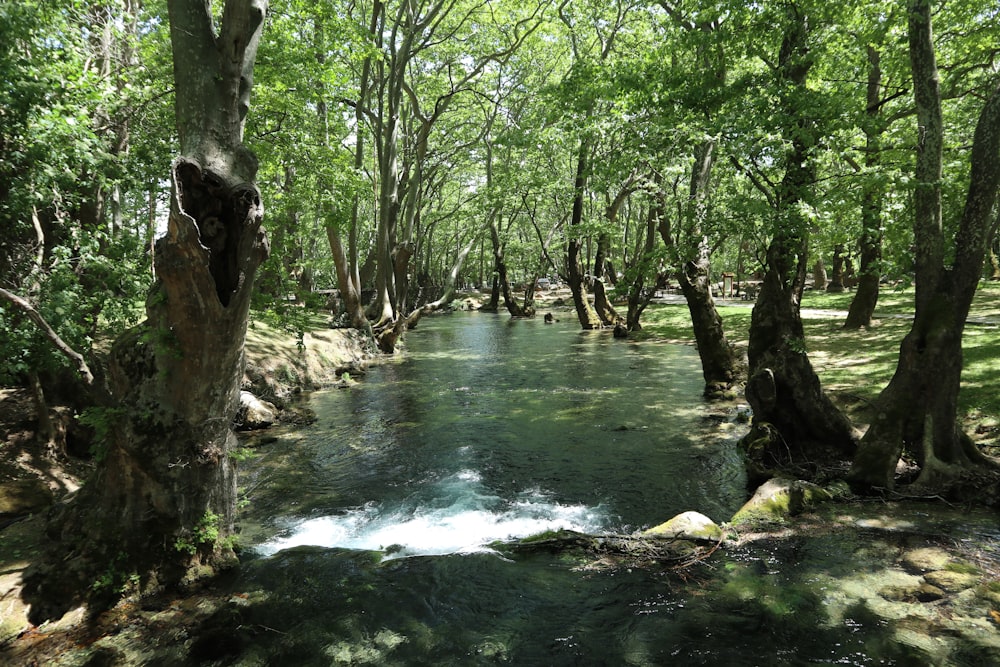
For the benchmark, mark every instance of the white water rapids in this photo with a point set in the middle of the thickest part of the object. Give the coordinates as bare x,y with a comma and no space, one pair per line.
460,516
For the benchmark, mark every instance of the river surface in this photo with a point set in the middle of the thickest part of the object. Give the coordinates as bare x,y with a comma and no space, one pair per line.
369,532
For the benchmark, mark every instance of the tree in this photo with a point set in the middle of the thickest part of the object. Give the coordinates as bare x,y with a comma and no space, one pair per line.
783,389
162,502
916,413
721,365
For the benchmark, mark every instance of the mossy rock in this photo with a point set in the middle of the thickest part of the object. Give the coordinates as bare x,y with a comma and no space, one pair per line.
777,499
951,582
688,525
925,559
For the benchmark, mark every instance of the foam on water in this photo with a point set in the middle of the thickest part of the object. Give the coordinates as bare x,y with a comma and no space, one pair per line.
458,516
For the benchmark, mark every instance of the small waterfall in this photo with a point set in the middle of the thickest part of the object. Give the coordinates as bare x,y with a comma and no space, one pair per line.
453,515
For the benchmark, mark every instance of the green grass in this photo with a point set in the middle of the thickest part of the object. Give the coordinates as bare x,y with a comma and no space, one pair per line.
854,366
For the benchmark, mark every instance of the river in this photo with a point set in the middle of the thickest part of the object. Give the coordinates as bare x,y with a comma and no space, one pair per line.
368,533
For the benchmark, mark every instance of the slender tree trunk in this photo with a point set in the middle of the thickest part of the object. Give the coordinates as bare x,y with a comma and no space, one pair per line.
574,247
162,502
784,390
720,364
917,412
601,275
866,297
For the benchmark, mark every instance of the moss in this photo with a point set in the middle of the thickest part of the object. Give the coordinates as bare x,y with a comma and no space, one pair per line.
778,499
963,568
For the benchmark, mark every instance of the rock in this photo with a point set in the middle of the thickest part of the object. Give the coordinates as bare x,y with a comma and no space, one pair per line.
254,413
900,593
777,499
688,525
23,496
929,593
951,582
925,559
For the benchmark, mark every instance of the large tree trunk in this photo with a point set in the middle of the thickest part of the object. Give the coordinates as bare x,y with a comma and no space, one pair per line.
917,412
783,388
162,502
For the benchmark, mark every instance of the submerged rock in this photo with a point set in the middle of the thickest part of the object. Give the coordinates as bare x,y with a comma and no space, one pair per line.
951,582
925,559
688,525
777,499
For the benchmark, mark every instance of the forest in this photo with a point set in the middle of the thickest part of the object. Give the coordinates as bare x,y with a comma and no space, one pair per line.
173,172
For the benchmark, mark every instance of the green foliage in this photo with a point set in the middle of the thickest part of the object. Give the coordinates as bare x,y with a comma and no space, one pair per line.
204,534
103,420
116,579
241,454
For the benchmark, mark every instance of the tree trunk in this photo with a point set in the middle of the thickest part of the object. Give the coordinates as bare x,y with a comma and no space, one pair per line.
836,284
819,275
162,502
783,388
866,297
602,304
349,292
917,412
639,295
721,366
574,261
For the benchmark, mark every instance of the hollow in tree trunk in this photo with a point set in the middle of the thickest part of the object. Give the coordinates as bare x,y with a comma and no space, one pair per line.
161,504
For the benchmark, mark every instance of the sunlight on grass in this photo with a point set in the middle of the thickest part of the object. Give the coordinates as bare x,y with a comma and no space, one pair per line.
854,366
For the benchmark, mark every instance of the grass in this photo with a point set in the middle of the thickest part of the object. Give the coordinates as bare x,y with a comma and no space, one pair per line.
854,366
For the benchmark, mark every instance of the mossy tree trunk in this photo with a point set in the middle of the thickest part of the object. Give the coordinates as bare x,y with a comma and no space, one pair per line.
917,412
161,504
783,389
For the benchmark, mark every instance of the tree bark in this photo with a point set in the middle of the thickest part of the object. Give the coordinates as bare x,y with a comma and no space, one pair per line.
836,283
161,505
866,297
917,412
585,312
721,366
784,390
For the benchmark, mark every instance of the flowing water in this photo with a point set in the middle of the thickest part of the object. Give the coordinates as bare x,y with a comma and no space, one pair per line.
372,532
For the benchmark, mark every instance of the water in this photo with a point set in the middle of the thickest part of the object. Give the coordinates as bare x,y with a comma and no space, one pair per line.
490,429
372,533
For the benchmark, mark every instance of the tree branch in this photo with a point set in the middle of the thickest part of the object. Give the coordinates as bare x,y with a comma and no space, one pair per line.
50,333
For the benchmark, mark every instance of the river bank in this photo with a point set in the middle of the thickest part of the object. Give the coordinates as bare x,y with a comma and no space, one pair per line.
279,368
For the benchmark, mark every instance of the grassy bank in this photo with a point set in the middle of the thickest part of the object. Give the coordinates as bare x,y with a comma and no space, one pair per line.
854,366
